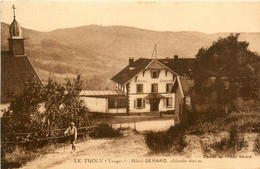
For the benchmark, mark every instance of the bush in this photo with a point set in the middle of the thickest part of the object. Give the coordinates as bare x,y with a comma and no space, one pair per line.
165,141
104,130
231,145
257,145
177,133
244,121
158,141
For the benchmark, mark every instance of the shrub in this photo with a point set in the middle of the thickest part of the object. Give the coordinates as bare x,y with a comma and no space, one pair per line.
104,130
244,121
257,145
158,141
233,144
165,141
177,133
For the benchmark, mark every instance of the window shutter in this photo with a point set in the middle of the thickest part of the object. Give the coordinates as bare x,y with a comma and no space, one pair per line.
135,103
143,103
164,103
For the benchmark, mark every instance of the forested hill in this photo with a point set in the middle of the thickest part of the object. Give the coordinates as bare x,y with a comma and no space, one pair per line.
99,52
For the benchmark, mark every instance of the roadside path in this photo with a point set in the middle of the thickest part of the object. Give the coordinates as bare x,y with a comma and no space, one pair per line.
92,150
130,152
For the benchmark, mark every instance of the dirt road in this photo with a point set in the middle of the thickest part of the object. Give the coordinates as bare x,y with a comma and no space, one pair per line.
92,150
130,151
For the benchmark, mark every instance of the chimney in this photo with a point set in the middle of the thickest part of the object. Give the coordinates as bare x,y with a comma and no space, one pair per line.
131,60
175,57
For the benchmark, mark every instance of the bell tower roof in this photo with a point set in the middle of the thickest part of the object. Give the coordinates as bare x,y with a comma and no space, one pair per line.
16,41
15,29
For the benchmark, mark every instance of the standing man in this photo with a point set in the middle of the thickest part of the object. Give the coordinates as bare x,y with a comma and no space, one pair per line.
72,133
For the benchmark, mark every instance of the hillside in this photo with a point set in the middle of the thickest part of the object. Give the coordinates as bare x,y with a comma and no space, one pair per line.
99,52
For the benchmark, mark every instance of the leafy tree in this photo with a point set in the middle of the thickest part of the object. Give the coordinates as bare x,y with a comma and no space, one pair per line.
54,95
224,71
24,109
23,114
40,108
73,108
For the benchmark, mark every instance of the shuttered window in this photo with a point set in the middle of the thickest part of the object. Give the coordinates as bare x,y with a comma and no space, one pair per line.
169,87
168,102
139,103
139,88
154,88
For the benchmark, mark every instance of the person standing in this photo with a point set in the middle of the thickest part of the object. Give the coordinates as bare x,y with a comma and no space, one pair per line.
72,133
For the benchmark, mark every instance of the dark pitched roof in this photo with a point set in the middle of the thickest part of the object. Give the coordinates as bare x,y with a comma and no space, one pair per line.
14,72
187,84
130,71
182,66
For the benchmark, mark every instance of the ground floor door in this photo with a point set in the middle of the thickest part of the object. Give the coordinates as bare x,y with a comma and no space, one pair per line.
154,103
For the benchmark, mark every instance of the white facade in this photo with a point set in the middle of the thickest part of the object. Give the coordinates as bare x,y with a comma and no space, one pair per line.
100,105
146,80
97,105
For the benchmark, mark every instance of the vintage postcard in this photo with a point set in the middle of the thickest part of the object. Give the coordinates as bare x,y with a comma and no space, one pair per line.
135,84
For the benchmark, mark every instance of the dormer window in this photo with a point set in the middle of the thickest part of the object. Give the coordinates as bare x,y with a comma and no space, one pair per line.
155,74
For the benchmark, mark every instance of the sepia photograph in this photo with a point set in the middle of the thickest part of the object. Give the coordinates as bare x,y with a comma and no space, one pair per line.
130,84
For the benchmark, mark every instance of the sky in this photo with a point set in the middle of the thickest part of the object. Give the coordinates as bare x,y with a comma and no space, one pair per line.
207,17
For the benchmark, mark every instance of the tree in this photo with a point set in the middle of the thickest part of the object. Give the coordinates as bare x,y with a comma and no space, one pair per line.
40,108
73,108
23,115
226,70
54,95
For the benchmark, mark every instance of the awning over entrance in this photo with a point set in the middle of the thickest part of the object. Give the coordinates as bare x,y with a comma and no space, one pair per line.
155,96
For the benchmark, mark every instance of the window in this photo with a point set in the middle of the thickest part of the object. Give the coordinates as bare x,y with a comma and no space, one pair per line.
139,88
169,102
154,88
117,102
155,74
139,103
169,87
113,103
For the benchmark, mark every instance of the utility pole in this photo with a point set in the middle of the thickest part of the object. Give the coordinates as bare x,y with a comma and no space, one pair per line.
154,52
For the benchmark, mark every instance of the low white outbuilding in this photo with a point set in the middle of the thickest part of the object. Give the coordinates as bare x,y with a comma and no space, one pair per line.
104,101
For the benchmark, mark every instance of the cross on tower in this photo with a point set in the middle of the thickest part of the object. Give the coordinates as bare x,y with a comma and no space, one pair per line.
13,10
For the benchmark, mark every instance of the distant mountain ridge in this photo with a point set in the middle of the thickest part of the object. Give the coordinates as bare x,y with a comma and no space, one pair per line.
99,52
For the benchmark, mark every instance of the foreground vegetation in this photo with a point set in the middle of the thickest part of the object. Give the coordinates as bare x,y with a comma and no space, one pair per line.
18,154
40,115
224,72
235,124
